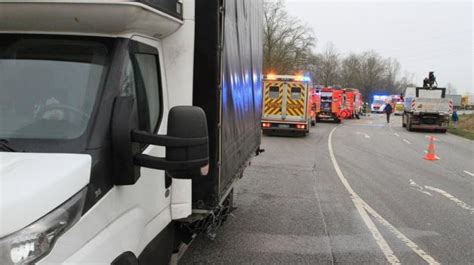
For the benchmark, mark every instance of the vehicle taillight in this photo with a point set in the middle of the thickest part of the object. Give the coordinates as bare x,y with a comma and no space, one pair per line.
300,126
266,125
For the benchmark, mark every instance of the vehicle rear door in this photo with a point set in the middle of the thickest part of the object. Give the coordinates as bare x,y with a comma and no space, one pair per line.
273,100
295,101
326,102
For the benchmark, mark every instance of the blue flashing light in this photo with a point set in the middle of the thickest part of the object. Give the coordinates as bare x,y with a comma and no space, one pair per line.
306,79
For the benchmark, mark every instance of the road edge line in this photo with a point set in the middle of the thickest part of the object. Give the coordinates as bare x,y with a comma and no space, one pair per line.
359,204
355,197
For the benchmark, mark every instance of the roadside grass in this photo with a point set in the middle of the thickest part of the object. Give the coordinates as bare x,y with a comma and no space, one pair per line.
465,126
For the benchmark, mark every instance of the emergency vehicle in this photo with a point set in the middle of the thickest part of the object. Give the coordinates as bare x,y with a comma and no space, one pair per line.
314,99
378,103
286,104
397,104
331,105
353,104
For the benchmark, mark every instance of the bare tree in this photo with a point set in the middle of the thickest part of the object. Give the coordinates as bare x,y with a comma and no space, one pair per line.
327,66
351,71
288,42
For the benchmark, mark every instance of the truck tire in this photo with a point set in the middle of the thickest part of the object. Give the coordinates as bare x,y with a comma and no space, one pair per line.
409,128
403,121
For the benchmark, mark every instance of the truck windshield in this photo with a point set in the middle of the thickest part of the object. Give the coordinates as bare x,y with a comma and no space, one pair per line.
48,86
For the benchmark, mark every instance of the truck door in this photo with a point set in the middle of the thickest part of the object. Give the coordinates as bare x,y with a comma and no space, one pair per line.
295,101
273,100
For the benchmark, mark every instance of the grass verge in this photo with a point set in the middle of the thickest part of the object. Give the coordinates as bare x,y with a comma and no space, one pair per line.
465,126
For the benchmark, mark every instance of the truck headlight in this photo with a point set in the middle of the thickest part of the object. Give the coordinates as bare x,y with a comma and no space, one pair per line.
36,240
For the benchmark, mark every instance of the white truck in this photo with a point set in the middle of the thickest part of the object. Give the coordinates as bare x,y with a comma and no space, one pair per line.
426,108
124,125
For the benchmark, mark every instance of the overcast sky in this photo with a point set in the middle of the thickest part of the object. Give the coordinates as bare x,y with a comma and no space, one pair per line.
423,35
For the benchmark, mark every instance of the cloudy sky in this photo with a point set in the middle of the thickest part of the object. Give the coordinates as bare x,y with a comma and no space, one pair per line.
423,35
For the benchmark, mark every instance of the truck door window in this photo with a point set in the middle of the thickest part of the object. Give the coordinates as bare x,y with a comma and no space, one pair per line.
148,89
274,92
296,93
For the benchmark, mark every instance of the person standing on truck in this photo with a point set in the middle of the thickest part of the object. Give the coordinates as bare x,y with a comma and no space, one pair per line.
388,110
455,118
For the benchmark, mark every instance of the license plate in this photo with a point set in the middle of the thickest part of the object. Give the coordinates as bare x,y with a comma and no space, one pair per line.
284,125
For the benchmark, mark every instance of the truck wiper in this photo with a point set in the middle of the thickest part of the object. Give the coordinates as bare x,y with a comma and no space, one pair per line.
5,147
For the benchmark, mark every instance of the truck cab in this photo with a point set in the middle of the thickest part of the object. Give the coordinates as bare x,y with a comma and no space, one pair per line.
110,126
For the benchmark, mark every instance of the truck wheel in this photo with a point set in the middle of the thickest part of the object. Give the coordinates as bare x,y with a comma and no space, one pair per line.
403,122
409,128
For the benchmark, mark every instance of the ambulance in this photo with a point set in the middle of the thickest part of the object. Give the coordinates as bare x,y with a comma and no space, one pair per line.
286,104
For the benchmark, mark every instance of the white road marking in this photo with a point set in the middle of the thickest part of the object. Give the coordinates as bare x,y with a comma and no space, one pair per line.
365,135
469,173
418,188
396,134
452,198
358,202
406,141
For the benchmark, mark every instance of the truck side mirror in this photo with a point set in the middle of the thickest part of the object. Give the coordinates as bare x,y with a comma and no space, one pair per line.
187,143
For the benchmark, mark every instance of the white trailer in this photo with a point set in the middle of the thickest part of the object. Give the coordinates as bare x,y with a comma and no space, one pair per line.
122,124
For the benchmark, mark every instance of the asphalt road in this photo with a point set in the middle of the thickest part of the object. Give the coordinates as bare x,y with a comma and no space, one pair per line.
372,200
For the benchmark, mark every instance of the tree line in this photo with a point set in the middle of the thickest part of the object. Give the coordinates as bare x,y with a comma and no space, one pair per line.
289,47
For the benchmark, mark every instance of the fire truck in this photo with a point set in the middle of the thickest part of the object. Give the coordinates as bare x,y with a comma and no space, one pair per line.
331,105
314,99
353,104
286,106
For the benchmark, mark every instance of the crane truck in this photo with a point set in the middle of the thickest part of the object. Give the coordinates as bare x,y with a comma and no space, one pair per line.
124,125
427,107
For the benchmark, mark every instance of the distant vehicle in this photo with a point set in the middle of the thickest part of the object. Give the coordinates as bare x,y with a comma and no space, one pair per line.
332,102
353,104
286,102
467,101
399,108
378,104
314,100
397,104
426,108
456,100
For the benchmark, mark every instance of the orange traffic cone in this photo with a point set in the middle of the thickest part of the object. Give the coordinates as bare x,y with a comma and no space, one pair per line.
431,151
